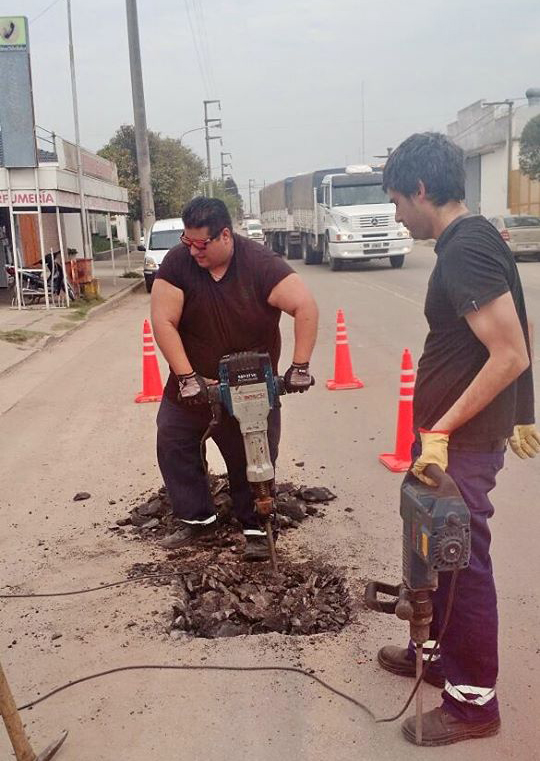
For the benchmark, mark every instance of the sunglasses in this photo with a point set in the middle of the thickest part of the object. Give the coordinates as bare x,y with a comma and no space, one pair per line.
200,245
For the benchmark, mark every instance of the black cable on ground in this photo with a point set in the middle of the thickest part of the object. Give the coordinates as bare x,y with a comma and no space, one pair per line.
91,589
148,667
284,669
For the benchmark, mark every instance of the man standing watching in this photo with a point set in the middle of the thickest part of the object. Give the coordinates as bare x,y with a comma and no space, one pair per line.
219,293
474,390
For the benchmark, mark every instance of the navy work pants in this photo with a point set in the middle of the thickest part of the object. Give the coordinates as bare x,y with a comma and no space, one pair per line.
468,651
180,430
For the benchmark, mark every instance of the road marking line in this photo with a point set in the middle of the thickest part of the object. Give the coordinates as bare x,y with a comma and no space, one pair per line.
374,287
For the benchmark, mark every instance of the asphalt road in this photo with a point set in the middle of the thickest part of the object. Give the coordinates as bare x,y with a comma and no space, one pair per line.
69,424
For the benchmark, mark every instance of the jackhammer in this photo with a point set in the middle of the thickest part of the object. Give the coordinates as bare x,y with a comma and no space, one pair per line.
436,538
248,390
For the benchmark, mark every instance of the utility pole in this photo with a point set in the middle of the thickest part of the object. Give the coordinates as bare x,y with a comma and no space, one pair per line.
225,164
87,248
509,138
251,185
207,123
363,126
139,115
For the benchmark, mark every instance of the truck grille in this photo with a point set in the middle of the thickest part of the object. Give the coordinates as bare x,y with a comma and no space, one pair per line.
373,221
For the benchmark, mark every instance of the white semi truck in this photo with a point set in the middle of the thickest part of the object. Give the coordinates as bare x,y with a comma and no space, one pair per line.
333,216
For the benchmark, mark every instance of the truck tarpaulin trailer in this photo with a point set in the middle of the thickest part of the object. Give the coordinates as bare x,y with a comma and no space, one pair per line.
333,216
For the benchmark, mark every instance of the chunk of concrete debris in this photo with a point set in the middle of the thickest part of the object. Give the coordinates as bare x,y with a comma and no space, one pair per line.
81,495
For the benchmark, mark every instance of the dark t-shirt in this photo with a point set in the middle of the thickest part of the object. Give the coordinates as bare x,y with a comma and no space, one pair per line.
474,266
229,315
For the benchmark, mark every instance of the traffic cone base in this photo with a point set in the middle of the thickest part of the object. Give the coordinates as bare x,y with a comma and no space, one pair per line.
333,386
344,378
400,460
394,464
152,385
141,398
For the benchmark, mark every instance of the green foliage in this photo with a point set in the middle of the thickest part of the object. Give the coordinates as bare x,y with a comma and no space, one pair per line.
529,149
100,243
20,336
176,171
228,192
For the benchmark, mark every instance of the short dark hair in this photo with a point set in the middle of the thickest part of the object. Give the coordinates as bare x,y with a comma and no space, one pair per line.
432,158
207,212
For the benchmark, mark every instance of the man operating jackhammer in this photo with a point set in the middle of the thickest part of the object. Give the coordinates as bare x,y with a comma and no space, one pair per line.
474,391
218,293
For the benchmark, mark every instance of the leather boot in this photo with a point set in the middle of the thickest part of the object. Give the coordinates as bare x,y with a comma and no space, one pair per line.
186,534
441,728
397,660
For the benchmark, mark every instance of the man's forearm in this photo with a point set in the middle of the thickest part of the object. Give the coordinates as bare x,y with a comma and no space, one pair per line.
306,320
172,348
498,372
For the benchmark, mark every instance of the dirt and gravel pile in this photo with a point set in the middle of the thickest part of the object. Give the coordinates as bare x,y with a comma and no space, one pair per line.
153,516
229,598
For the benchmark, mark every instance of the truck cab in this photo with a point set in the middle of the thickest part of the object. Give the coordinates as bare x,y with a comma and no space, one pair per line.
356,220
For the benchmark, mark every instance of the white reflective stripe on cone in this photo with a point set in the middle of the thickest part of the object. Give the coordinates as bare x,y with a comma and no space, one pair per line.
460,691
206,522
254,532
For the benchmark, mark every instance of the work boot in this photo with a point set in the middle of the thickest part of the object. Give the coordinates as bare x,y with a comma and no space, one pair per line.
187,534
441,728
397,660
256,548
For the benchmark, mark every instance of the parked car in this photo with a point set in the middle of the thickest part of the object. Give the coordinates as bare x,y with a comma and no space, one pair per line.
521,232
253,229
164,235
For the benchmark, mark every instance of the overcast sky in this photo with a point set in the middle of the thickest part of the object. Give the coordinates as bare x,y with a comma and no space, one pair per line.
289,73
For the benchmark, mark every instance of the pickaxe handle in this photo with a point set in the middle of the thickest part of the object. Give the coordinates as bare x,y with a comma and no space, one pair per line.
12,720
17,735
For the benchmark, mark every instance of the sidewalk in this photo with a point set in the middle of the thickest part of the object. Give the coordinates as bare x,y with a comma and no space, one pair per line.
25,332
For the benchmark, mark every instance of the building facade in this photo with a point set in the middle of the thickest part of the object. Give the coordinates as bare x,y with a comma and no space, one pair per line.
482,131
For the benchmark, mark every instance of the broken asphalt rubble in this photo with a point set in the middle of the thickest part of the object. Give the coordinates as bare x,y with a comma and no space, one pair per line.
218,595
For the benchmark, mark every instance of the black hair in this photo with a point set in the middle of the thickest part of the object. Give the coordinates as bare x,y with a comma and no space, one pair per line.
432,158
207,212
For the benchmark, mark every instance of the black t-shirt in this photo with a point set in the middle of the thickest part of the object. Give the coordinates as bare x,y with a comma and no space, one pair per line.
474,266
229,315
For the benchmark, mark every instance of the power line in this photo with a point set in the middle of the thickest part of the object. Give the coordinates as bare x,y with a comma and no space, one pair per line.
198,14
44,11
484,116
197,52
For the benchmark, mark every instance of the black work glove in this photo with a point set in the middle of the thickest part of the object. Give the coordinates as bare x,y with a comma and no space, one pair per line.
298,378
192,389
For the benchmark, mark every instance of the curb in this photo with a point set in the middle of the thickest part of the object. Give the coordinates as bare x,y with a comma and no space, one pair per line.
111,303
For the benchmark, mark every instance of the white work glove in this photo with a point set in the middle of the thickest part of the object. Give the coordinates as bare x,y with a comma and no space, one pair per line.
525,441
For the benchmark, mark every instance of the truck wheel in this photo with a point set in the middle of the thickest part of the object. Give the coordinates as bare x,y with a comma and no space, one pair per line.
268,241
309,254
396,262
291,250
335,264
149,282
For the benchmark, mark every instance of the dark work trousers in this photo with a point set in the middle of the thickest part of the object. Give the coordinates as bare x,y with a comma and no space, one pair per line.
180,430
468,651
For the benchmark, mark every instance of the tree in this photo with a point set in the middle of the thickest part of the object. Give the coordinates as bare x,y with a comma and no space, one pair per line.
177,171
529,149
228,192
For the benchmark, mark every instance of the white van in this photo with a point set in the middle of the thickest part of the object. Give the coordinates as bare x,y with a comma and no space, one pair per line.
164,235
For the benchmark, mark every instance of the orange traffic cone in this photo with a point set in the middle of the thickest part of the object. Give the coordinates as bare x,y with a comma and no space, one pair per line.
343,372
400,460
152,385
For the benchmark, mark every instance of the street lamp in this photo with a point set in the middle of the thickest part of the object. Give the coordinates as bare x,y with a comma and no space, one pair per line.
196,129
